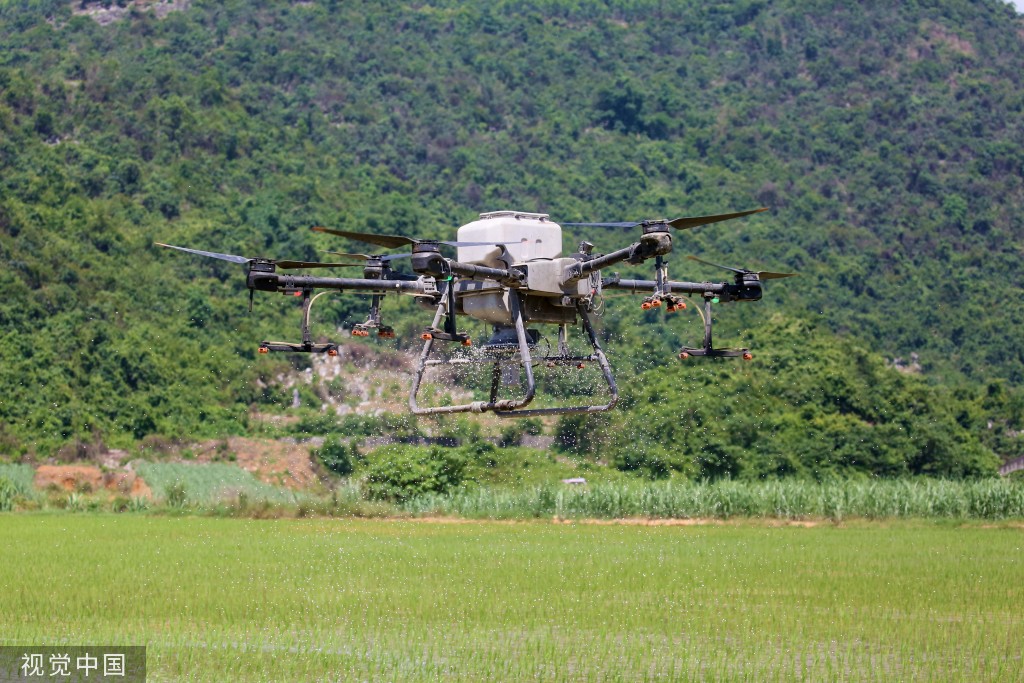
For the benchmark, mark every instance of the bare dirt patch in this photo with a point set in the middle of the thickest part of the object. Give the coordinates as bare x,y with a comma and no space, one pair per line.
127,483
275,462
87,478
69,477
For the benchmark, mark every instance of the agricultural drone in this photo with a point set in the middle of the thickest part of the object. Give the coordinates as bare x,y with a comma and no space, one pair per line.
508,273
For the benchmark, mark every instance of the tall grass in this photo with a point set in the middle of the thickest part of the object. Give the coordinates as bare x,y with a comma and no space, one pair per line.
21,476
15,484
785,499
181,483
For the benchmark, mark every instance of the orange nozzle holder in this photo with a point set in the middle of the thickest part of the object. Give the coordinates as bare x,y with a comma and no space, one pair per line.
263,349
684,355
467,342
332,352
655,303
646,306
748,356
426,336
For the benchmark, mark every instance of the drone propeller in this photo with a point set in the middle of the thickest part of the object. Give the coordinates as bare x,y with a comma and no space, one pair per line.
386,258
684,223
761,274
286,264
396,241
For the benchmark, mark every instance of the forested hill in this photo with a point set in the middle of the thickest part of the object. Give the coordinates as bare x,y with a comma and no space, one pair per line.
886,138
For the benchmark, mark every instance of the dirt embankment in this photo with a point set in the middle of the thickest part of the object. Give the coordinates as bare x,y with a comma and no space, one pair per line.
88,479
281,463
276,462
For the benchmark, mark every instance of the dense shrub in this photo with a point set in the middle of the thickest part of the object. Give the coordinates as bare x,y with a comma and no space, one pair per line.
398,473
515,430
335,455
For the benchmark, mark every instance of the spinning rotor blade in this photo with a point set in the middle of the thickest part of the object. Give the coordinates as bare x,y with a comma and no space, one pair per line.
696,221
768,275
389,241
286,265
396,241
211,254
310,264
716,265
684,223
603,225
761,274
366,257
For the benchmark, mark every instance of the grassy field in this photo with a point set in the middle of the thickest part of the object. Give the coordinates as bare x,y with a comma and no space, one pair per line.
209,482
231,599
20,476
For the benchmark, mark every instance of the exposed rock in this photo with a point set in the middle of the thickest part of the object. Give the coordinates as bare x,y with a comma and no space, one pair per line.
108,13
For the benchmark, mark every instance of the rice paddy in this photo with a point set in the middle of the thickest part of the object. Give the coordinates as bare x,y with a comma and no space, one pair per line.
324,599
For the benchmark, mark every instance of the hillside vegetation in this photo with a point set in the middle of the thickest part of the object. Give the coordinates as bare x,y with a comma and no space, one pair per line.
887,140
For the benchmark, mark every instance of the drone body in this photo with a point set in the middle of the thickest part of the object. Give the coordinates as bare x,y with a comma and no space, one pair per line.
510,273
532,244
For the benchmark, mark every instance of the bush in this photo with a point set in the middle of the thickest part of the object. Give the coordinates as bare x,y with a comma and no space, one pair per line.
513,433
316,423
398,473
582,434
335,455
176,495
482,453
652,461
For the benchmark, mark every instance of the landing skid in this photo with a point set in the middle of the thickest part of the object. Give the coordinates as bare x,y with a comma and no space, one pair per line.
708,350
306,345
268,346
507,348
686,352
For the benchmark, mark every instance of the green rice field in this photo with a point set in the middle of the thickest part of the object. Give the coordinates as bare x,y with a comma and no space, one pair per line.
337,600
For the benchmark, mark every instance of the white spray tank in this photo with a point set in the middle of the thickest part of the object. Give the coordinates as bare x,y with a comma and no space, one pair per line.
527,236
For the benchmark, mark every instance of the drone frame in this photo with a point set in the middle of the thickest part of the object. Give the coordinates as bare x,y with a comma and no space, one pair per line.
435,285
507,407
